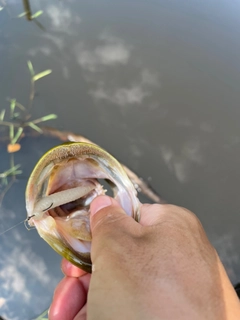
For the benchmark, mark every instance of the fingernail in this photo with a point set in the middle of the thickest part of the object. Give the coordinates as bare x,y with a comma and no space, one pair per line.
100,203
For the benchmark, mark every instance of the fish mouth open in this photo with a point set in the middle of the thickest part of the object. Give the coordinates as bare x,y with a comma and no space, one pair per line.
59,193
61,215
68,196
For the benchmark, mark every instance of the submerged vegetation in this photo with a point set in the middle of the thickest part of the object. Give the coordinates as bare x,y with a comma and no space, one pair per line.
17,118
27,13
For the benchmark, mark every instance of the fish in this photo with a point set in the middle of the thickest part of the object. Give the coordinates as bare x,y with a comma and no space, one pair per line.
60,190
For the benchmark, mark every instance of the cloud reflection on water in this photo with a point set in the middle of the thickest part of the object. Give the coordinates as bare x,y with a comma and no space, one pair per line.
21,270
120,96
62,18
181,162
111,51
44,50
134,93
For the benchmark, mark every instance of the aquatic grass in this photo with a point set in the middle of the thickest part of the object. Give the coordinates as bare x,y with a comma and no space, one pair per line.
7,179
17,135
17,121
16,128
17,104
2,114
10,172
48,117
34,78
34,16
23,14
30,68
34,127
37,14
41,75
29,16
11,132
28,12
12,107
20,106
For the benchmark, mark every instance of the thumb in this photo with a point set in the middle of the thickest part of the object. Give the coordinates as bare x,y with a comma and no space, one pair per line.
109,225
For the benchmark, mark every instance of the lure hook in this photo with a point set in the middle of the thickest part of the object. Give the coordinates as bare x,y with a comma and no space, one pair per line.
27,224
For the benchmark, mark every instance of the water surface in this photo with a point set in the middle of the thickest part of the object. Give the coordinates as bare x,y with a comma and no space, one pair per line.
155,83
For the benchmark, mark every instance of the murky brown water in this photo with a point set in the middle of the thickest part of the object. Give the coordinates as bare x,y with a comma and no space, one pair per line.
156,83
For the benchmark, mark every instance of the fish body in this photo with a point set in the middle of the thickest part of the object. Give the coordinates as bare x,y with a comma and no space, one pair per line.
59,192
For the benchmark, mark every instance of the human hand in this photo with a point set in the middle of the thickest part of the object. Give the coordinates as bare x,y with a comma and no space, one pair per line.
163,268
